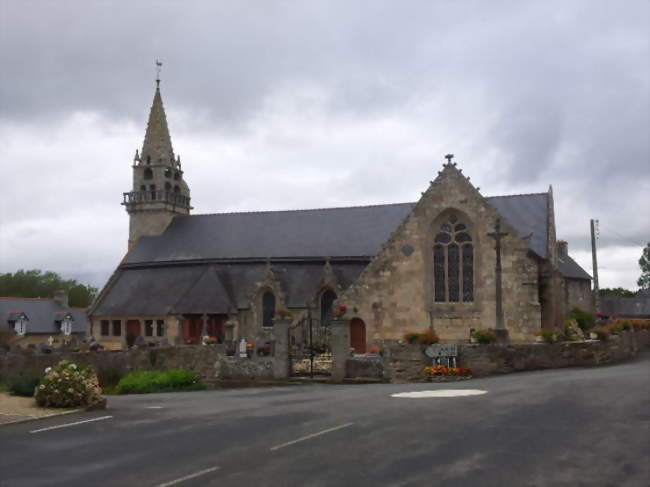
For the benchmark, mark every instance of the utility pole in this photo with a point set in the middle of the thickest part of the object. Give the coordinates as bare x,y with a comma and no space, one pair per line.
594,261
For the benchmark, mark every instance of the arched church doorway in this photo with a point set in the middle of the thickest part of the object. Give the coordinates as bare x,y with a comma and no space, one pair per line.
358,335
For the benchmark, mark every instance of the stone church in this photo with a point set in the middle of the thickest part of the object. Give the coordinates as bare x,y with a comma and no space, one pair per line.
396,267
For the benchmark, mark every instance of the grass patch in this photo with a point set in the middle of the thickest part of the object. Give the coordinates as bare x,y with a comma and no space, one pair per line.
147,382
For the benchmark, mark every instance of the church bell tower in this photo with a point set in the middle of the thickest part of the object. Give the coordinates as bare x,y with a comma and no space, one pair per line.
159,191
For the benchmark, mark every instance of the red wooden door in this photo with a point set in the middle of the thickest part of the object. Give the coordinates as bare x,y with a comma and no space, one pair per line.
192,330
132,331
358,335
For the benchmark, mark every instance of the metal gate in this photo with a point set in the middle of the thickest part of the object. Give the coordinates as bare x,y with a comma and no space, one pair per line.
310,352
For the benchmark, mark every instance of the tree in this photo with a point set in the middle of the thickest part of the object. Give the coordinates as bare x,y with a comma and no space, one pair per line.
644,264
36,284
616,291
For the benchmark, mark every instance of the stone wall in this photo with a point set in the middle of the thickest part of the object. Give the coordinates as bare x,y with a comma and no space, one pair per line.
210,362
364,367
403,363
394,294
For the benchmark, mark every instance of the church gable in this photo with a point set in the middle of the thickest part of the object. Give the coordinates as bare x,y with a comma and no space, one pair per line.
400,291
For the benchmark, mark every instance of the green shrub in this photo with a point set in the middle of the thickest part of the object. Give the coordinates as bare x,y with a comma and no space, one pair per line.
68,385
427,337
153,381
585,319
484,336
626,324
109,378
615,328
551,335
24,384
602,332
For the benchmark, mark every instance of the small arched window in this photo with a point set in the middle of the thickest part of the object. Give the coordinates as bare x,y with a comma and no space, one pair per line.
143,188
168,186
152,188
326,301
268,308
453,263
168,172
148,159
148,173
177,189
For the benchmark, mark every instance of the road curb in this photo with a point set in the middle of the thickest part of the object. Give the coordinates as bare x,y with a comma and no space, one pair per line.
38,418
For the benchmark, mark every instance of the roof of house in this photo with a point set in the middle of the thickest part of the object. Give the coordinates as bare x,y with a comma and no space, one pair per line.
634,307
570,268
358,231
42,314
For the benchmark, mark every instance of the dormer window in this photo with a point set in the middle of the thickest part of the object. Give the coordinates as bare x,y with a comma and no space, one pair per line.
148,159
148,173
168,172
20,325
66,325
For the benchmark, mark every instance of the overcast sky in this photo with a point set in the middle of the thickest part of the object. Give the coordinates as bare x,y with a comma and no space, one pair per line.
300,104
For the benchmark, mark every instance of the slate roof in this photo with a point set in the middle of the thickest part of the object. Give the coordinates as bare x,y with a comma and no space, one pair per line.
635,307
570,268
213,263
42,314
358,231
214,288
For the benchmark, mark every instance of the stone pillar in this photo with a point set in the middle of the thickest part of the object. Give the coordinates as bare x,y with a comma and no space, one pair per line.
340,347
281,349
179,329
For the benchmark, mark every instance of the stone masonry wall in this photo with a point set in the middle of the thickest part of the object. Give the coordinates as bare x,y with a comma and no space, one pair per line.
403,363
394,294
210,362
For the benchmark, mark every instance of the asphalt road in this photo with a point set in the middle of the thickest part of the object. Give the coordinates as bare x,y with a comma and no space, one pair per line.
567,427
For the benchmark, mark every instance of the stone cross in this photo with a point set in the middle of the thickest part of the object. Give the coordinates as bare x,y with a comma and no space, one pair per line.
449,157
497,235
158,66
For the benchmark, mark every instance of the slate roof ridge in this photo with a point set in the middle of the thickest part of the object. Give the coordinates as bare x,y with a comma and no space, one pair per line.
517,194
296,210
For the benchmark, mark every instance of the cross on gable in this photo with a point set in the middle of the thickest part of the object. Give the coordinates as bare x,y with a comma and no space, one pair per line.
449,157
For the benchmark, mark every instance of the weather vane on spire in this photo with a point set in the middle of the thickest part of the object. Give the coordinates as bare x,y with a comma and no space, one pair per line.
158,66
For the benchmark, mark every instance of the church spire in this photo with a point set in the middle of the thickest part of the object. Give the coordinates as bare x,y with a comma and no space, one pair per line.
159,190
157,146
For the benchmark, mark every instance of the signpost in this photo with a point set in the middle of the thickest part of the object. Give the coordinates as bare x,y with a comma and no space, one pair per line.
443,354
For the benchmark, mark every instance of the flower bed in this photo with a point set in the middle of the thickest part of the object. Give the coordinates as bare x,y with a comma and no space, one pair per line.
440,373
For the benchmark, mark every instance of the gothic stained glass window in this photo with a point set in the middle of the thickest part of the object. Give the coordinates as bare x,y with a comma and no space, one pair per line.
439,272
453,262
468,272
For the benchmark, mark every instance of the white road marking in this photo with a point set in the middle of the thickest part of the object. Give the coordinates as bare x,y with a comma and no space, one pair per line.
154,407
71,424
188,477
308,437
440,393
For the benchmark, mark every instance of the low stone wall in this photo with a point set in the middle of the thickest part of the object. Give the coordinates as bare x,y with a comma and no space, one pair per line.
210,362
364,367
403,363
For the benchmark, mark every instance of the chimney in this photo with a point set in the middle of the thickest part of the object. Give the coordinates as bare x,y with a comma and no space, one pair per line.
562,248
61,297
